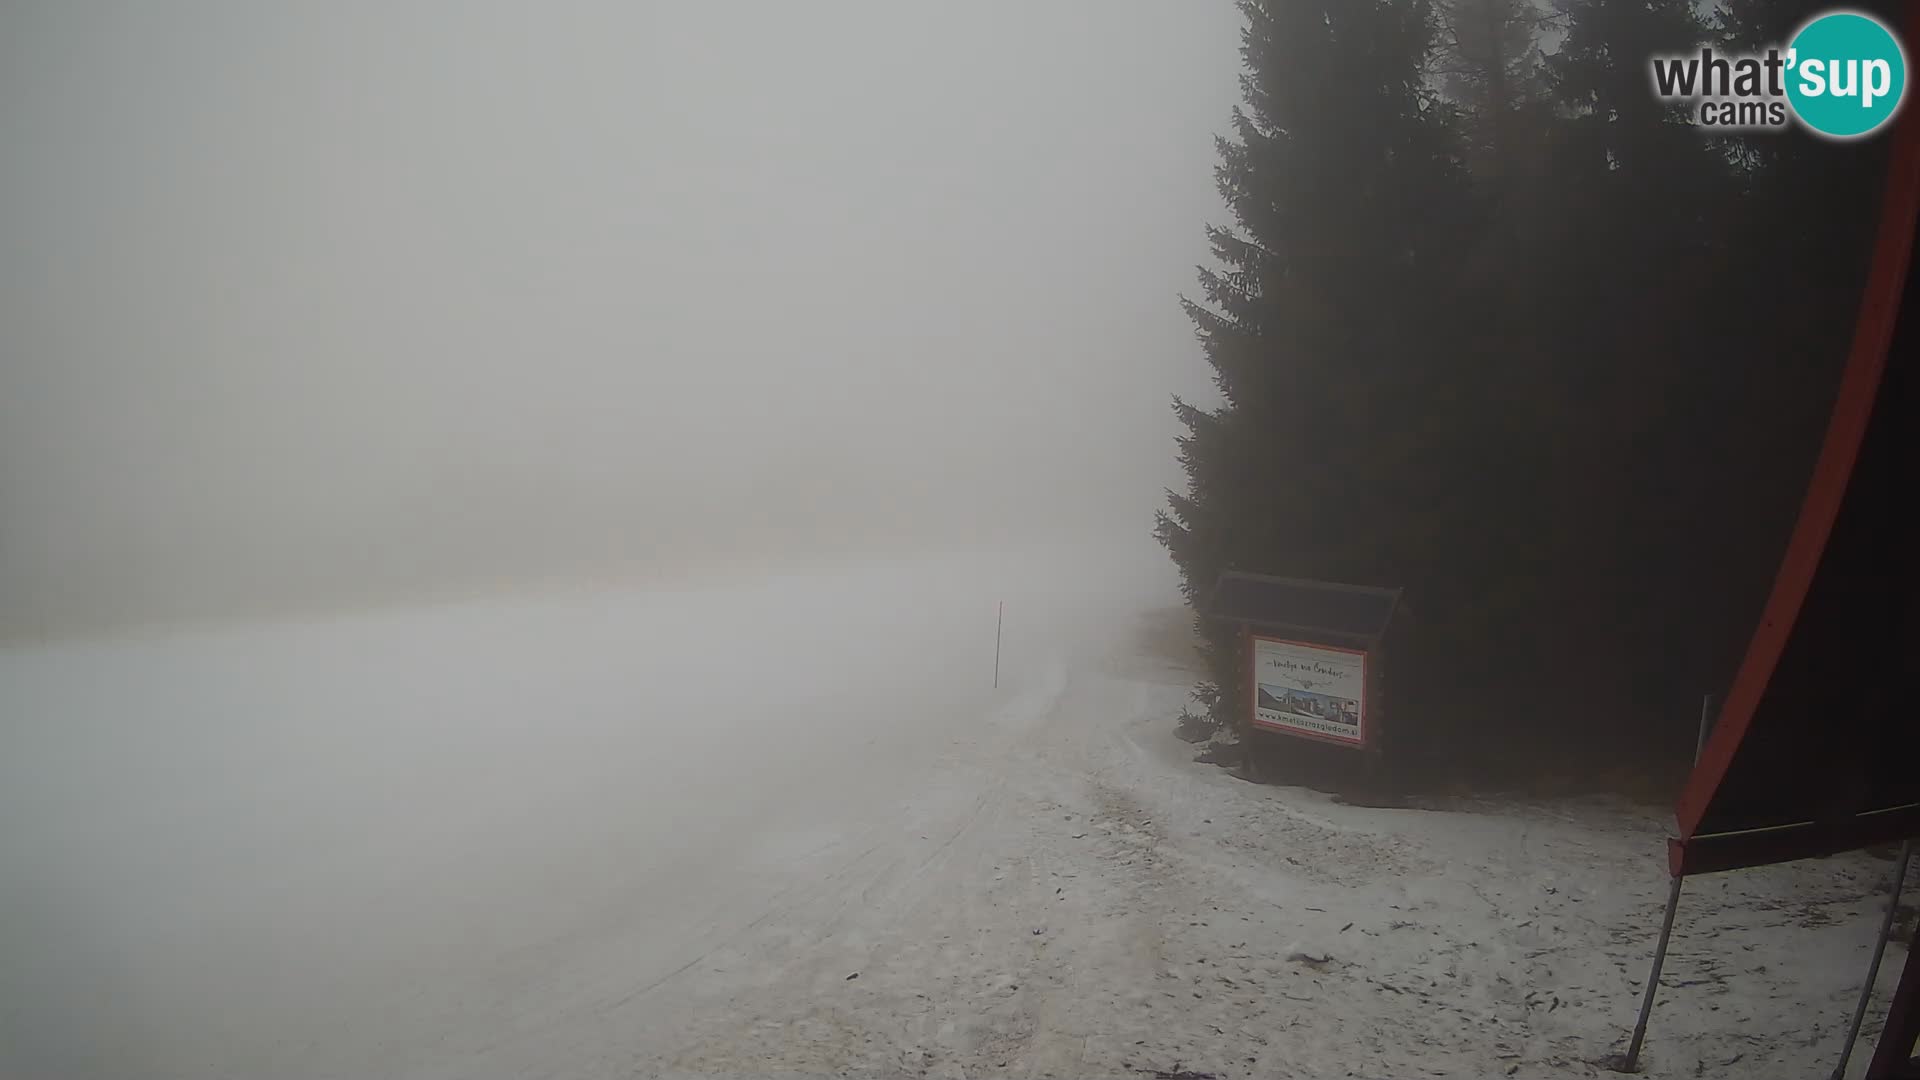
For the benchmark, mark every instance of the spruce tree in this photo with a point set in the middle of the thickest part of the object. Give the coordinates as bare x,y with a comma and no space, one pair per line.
1345,190
1489,63
1547,354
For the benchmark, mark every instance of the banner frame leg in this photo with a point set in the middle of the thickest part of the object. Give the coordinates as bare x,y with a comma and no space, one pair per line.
1873,966
1630,1061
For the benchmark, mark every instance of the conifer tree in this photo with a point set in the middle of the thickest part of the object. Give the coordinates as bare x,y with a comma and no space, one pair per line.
1345,190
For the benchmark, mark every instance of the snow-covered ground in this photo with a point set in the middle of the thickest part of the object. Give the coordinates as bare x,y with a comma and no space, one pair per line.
787,827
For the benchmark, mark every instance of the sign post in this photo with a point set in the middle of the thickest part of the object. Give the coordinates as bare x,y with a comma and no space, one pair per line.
999,614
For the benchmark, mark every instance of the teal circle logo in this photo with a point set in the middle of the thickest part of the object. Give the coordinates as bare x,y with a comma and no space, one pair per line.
1846,76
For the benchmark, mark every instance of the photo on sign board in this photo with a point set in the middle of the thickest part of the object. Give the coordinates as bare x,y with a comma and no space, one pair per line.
1307,704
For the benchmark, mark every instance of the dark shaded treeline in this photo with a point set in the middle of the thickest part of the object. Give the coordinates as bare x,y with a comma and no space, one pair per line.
1494,324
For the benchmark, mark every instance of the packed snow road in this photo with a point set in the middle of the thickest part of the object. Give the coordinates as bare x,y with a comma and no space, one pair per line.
788,827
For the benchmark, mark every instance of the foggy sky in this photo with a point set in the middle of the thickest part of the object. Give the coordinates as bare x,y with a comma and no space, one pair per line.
304,304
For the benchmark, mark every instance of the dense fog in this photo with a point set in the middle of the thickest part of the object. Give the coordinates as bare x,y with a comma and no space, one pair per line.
602,435
607,539
377,844
310,306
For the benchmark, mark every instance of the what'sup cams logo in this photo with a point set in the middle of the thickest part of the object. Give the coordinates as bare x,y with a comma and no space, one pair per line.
1843,75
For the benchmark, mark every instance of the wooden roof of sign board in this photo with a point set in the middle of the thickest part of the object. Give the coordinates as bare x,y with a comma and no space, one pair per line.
1322,608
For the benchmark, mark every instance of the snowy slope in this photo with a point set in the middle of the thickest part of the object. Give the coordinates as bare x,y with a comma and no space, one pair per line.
1102,907
785,826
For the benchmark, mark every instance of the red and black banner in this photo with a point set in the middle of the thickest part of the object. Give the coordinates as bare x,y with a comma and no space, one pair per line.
1817,748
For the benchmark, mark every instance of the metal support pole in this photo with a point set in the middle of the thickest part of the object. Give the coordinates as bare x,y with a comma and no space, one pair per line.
1893,1050
1873,967
1631,1061
1706,725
